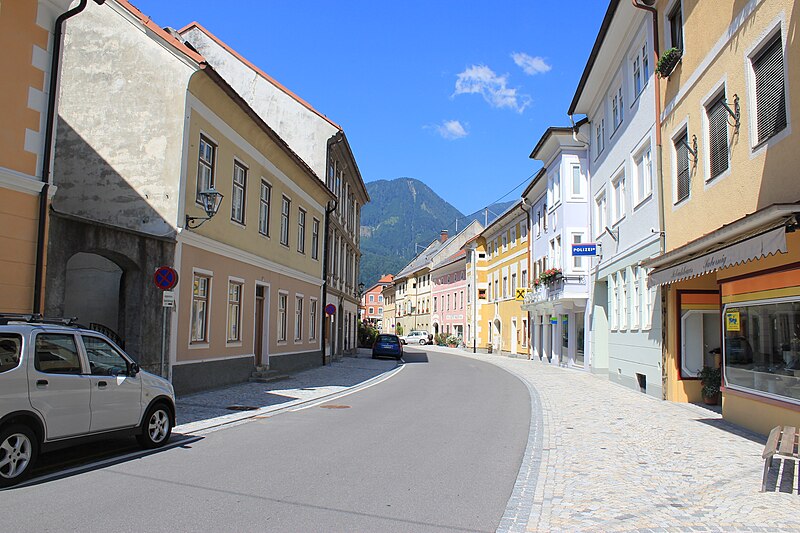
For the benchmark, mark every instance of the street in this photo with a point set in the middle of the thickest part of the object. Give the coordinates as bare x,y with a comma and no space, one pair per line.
435,448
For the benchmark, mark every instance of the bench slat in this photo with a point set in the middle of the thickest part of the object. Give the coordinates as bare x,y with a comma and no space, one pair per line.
787,441
772,442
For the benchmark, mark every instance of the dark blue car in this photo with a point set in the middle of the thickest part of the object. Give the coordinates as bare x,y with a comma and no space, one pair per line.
387,345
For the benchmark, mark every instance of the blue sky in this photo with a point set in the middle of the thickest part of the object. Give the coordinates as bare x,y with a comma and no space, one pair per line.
453,93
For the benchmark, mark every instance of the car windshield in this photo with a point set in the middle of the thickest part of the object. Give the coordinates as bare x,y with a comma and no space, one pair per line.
387,339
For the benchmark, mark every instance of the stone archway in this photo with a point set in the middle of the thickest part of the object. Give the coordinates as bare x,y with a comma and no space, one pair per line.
92,290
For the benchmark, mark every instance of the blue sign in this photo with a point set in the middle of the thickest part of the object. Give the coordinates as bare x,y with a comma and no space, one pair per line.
330,309
588,248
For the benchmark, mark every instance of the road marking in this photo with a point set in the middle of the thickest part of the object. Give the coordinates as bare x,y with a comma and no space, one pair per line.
352,391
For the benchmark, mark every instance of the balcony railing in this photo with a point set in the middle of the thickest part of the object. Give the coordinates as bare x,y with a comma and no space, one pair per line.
554,290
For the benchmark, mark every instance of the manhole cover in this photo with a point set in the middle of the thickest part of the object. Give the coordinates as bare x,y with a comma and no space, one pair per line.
333,406
241,408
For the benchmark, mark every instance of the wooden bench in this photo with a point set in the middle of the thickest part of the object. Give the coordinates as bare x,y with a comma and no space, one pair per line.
782,441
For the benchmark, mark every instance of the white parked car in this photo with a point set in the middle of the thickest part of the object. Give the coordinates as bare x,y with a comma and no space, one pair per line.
61,383
416,337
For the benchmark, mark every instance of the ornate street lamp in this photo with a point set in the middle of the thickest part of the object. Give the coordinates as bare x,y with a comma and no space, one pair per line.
211,200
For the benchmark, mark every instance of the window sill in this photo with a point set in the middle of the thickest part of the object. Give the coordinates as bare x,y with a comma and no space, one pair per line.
233,344
644,200
238,224
198,345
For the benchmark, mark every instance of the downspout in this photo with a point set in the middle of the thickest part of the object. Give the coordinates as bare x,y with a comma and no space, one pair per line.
47,154
528,231
329,208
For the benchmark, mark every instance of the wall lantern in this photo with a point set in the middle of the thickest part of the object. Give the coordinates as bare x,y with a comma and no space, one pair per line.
211,200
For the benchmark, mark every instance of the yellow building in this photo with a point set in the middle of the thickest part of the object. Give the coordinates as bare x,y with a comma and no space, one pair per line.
26,38
506,270
729,159
389,312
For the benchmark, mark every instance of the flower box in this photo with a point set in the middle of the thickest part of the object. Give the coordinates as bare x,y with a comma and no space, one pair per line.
668,61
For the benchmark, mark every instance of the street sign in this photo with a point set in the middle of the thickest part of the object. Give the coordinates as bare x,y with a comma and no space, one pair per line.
167,299
519,294
165,278
330,309
584,249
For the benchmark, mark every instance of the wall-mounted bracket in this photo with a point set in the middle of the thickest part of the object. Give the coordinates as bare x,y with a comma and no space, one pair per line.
735,113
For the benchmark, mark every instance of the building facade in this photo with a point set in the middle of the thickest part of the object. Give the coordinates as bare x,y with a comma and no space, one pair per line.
617,93
448,296
389,312
371,309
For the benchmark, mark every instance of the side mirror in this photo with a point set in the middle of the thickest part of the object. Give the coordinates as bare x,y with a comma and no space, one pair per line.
134,369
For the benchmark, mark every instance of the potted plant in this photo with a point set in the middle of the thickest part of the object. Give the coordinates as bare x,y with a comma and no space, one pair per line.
452,341
711,378
668,60
550,275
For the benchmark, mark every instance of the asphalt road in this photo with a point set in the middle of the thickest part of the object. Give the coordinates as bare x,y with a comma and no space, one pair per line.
435,448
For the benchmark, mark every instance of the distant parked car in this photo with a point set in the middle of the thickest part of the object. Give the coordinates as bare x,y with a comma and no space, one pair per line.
387,345
61,384
416,337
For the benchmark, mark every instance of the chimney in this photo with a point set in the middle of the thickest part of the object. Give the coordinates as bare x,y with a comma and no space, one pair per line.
443,237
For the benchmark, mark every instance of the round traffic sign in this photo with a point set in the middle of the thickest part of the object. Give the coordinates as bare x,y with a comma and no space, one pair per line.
330,309
165,278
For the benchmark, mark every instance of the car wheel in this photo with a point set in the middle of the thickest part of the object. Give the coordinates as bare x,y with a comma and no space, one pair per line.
422,341
18,451
156,427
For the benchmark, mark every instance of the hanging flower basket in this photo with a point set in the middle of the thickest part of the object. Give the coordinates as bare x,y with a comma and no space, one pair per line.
668,61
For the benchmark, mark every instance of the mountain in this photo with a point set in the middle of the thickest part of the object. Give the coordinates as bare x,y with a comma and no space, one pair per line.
403,216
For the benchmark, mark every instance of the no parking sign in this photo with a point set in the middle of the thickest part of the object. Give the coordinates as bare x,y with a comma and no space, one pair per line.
165,278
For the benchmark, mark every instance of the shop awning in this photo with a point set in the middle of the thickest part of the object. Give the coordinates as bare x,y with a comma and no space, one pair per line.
759,242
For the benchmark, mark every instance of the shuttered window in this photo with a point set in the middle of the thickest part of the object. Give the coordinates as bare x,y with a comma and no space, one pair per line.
770,90
718,136
682,165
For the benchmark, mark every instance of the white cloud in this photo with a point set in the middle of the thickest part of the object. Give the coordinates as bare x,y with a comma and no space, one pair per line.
529,64
451,129
480,79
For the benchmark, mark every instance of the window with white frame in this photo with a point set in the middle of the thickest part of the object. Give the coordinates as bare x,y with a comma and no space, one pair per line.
298,318
576,182
513,284
538,223
675,21
682,172
234,311
578,264
616,107
312,320
263,208
618,197
314,238
643,166
636,71
770,91
636,298
645,63
513,235
717,115
599,134
557,255
524,278
201,291
301,230
238,196
505,286
623,299
286,205
556,187
612,302
648,296
205,167
505,244
282,304
551,252
600,216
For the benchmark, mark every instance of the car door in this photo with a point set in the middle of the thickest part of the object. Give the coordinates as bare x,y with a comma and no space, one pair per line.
116,396
56,384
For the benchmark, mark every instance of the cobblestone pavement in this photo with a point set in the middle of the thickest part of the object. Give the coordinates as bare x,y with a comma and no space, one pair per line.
210,408
602,457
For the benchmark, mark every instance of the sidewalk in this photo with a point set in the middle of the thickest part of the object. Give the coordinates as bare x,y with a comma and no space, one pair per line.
205,410
602,457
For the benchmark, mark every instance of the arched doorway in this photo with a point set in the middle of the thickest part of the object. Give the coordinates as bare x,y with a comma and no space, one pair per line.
498,335
92,290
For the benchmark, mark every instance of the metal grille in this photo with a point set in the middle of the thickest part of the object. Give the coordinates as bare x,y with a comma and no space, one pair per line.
770,91
718,137
682,166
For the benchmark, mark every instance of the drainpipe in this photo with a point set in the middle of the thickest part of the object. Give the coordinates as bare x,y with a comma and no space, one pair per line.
528,231
47,155
329,208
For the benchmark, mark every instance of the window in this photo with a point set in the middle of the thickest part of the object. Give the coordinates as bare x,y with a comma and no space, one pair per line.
618,198
636,299
770,91
505,248
314,238
298,318
538,223
643,166
205,167
263,208
201,288
497,289
238,197
301,230
513,238
557,256
717,136
648,295
57,354
645,63
576,183
524,278
636,68
434,303
286,205
683,175
371,298
461,299
612,303
556,187
312,321
104,359
623,299
234,311
513,284
577,261
616,111
282,300
10,350
675,18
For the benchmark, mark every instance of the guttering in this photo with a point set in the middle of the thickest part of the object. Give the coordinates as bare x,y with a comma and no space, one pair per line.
47,154
330,208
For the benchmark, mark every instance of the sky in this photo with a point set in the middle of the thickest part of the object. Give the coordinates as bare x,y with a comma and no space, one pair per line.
453,93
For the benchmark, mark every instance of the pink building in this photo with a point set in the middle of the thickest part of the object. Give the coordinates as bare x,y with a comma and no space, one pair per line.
449,295
371,307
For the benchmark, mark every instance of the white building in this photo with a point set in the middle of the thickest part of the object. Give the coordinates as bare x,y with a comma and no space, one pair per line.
617,95
558,198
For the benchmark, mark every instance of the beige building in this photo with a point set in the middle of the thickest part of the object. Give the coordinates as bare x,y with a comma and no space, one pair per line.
730,273
389,310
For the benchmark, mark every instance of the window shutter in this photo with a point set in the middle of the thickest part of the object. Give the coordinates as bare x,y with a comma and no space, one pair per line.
770,91
718,137
682,157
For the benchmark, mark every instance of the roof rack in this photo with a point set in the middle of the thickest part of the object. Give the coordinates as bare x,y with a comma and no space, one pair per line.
37,318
